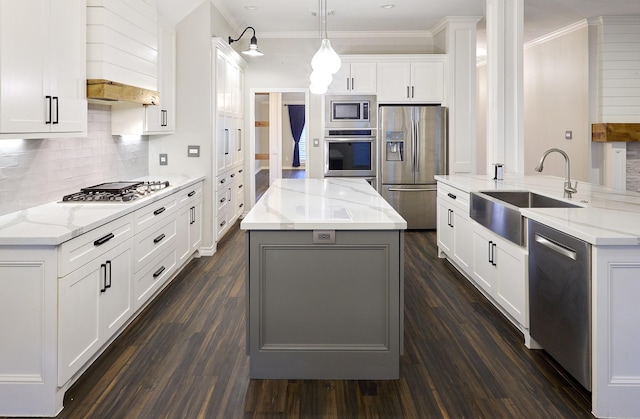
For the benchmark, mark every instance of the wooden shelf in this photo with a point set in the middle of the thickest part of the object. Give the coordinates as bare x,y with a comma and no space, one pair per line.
262,124
615,132
262,156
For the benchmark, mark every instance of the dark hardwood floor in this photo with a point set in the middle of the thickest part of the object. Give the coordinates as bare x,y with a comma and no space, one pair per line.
184,357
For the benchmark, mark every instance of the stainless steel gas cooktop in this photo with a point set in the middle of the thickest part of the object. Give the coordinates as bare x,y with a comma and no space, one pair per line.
122,191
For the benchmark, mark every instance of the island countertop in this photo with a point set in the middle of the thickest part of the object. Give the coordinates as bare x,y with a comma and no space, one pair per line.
330,203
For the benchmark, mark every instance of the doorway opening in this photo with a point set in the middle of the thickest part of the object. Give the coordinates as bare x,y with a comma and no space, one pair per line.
278,118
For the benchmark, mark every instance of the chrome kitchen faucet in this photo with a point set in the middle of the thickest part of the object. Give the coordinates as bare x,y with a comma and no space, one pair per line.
568,189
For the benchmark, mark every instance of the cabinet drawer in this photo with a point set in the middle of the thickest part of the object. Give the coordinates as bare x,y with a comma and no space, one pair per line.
152,241
151,278
80,250
223,222
189,194
453,196
156,212
223,180
223,199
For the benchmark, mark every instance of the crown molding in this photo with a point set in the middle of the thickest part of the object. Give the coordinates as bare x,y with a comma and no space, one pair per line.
348,34
557,34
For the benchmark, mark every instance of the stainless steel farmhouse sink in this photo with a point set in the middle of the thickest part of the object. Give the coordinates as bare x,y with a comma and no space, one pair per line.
499,211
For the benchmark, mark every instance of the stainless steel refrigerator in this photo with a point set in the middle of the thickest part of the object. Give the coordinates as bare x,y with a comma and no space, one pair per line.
412,144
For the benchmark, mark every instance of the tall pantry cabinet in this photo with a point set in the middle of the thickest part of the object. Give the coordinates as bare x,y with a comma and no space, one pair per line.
42,68
229,137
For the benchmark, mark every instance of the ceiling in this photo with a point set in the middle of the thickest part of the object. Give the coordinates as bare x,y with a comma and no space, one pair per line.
293,18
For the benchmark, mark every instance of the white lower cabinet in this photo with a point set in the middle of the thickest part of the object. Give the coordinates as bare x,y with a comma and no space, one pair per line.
499,268
94,302
454,225
62,305
229,199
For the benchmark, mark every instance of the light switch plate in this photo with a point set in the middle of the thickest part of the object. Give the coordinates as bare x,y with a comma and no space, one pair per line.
316,142
193,151
568,135
164,159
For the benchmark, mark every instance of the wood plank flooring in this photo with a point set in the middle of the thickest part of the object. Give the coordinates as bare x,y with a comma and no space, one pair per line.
184,357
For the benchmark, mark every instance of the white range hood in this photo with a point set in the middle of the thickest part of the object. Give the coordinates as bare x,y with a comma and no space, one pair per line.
122,51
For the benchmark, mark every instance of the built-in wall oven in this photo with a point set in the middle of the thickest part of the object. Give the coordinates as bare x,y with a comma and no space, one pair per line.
350,137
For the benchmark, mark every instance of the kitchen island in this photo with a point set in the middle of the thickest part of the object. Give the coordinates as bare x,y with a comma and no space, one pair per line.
609,220
324,281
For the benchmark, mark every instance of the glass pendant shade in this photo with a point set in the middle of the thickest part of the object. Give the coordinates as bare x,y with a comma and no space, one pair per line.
318,89
326,59
320,78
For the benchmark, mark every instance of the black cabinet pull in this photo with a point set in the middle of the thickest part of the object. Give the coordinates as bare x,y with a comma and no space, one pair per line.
55,98
452,196
108,268
223,180
240,171
103,277
222,224
241,205
223,200
240,186
159,238
158,272
103,240
159,211
190,194
233,175
48,120
493,254
193,215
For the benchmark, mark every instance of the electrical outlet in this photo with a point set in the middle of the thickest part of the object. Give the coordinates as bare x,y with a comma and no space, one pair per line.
324,236
568,135
164,159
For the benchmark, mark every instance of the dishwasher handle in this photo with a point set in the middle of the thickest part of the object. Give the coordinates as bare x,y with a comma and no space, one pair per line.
556,247
413,189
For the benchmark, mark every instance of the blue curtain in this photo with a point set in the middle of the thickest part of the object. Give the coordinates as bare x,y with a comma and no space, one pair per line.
296,120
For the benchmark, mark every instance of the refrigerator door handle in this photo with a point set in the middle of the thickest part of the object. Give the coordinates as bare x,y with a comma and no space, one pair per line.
417,147
434,188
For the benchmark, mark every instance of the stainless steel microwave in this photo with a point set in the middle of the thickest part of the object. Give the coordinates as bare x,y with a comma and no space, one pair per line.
350,111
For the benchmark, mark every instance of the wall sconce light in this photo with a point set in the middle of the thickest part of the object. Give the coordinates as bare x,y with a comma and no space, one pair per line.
253,45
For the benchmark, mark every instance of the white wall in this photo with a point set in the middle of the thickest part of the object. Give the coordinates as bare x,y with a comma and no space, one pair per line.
35,172
287,64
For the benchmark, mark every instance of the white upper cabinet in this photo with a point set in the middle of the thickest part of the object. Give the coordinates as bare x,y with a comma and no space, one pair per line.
354,78
418,80
161,118
43,68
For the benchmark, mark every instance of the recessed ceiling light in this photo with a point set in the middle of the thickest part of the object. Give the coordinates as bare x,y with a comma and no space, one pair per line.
251,7
387,6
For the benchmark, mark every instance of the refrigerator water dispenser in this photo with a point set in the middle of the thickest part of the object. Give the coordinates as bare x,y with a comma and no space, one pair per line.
394,141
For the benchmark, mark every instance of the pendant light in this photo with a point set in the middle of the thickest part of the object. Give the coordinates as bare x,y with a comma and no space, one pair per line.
326,61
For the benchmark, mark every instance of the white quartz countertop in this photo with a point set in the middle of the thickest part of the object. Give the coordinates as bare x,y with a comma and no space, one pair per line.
330,203
608,216
57,222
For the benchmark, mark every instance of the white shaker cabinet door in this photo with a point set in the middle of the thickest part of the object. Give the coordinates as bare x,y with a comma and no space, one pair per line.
23,62
94,302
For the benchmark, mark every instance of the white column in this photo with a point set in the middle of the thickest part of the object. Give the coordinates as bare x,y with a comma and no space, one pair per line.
505,105
457,37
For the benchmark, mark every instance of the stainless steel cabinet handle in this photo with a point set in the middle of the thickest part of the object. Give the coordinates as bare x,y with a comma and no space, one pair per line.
412,190
556,247
226,142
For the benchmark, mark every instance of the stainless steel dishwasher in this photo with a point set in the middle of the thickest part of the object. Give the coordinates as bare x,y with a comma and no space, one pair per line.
560,298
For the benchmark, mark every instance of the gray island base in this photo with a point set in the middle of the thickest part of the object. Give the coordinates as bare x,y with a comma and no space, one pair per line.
324,302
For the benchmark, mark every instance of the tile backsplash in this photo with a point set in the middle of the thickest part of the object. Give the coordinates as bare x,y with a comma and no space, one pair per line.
34,172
